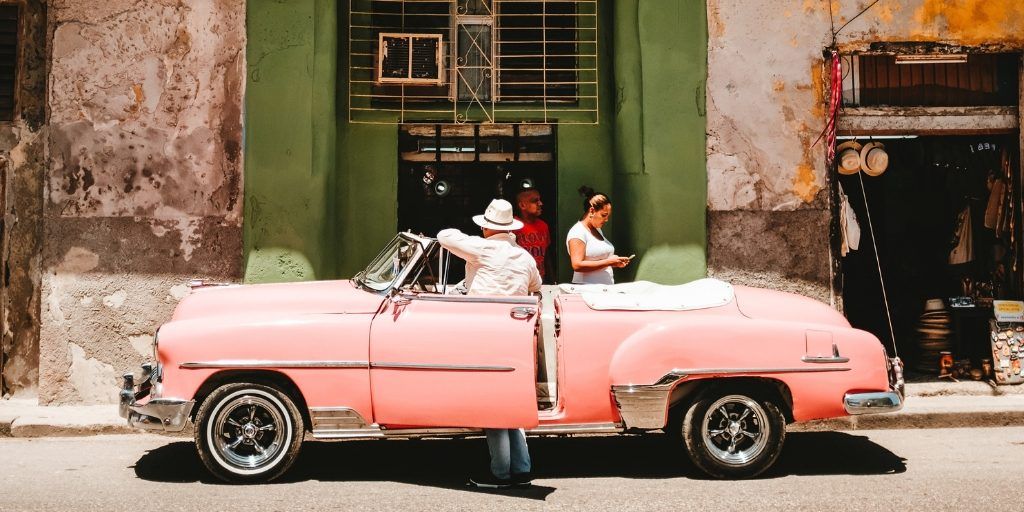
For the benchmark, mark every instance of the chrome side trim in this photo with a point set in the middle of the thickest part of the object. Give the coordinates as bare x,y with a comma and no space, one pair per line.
824,359
375,431
258,363
336,419
253,363
474,298
578,428
734,371
873,403
645,406
441,367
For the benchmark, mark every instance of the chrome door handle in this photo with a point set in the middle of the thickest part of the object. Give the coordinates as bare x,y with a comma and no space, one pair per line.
401,300
522,312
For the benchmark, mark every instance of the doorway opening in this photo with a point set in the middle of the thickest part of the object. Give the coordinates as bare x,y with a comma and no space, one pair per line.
947,220
449,173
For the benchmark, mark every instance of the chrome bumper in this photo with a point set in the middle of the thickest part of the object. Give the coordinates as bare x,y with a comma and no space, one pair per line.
879,402
158,414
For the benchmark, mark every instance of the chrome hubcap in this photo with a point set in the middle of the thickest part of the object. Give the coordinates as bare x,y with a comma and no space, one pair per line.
735,430
249,431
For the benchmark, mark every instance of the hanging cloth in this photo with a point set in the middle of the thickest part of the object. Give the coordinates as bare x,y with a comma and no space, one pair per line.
963,243
995,204
848,226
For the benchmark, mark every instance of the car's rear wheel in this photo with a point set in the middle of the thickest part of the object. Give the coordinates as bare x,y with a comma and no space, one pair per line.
732,433
248,432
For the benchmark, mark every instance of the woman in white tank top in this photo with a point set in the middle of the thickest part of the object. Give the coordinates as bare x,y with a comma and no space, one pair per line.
590,252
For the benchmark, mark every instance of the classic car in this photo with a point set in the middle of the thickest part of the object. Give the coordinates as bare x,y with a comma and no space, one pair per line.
398,352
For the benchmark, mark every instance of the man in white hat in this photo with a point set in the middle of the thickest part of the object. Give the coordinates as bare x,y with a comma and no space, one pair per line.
496,265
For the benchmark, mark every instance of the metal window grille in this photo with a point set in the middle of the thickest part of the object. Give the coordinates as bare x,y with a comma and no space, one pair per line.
8,59
501,61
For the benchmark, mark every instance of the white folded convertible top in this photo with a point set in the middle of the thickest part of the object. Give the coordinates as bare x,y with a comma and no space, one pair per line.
648,296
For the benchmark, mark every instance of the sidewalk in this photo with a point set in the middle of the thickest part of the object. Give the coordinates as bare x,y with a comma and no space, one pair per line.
928,405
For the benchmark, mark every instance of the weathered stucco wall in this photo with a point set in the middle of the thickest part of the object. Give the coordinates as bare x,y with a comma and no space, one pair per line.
144,183
22,164
767,186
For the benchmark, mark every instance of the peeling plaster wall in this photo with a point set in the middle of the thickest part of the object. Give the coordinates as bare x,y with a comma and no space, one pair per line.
768,205
144,183
22,164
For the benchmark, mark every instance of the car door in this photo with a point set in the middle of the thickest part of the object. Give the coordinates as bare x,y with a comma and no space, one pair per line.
454,361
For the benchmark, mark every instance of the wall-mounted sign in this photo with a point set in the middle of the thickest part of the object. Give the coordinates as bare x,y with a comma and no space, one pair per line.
1008,310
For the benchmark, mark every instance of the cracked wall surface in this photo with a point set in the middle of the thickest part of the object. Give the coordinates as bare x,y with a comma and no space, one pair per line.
768,200
144,186
22,166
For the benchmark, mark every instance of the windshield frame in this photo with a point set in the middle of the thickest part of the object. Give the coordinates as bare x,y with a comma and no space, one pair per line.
421,243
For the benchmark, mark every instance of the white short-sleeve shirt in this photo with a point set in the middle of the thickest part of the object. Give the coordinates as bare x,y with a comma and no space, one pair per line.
596,249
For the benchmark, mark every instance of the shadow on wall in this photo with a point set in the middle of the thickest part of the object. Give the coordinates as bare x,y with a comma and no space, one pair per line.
276,265
672,264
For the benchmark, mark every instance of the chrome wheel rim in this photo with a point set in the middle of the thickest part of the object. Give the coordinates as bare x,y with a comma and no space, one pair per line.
735,430
249,431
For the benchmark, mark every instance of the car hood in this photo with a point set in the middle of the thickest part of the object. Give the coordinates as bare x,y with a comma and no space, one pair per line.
280,299
762,304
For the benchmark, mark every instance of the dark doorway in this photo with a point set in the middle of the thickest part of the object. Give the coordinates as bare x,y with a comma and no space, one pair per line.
917,208
447,174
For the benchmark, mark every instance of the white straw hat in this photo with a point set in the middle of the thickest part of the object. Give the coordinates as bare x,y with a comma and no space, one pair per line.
873,159
849,157
498,216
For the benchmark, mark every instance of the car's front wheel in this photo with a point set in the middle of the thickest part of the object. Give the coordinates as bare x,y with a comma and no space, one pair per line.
248,432
732,433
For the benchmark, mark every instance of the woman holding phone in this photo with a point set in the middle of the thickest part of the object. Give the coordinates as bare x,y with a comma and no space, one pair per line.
590,252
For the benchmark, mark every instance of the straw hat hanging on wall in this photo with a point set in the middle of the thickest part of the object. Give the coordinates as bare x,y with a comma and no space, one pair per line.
849,157
873,159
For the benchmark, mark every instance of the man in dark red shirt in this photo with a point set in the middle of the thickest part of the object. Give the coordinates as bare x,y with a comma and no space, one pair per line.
535,236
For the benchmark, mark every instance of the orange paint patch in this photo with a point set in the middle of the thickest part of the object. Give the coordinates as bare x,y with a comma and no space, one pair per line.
818,87
794,42
809,6
140,96
970,21
778,85
715,25
805,184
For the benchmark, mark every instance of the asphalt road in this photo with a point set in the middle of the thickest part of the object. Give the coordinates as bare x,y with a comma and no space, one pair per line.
942,469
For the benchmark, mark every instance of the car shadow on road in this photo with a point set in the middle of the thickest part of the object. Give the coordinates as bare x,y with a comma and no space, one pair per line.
447,463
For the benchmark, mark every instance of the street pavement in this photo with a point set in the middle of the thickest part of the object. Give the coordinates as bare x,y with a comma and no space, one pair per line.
910,469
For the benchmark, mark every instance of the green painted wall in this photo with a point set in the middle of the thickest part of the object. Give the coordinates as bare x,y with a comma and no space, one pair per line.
321,192
661,169
290,140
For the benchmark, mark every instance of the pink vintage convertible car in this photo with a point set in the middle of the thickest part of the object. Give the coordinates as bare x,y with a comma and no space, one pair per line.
395,352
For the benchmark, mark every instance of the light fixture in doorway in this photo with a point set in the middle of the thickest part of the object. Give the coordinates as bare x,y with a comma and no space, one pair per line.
932,58
525,183
442,188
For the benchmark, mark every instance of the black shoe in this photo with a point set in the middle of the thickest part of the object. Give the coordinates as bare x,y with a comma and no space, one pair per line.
489,481
522,479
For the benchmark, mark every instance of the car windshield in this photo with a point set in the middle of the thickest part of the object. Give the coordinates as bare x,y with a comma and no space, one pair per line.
389,264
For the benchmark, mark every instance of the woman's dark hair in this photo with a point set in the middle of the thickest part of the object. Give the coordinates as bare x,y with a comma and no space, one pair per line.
591,199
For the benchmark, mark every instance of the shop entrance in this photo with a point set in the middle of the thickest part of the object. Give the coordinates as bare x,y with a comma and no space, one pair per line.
946,215
448,173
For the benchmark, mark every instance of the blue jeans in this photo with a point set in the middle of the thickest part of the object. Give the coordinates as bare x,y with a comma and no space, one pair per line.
509,454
